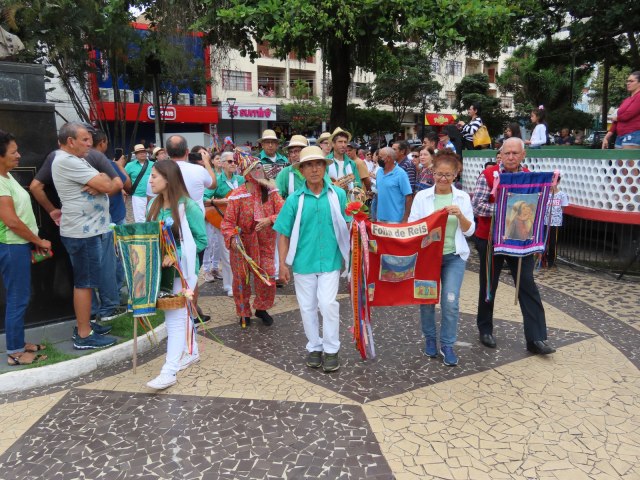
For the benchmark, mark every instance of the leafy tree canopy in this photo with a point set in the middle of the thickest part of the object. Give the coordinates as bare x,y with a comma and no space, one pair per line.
404,82
474,89
352,33
617,86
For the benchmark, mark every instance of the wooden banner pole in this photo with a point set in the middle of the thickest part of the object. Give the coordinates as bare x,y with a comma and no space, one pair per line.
515,302
135,344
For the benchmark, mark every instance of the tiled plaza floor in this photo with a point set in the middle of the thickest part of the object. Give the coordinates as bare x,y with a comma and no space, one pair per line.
251,409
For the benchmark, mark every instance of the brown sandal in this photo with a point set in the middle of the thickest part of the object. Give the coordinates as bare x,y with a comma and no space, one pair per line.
24,358
34,347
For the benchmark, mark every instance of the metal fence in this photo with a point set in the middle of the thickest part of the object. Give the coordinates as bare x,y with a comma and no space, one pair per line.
604,246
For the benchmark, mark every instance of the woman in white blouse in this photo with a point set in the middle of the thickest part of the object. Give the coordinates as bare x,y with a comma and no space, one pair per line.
460,224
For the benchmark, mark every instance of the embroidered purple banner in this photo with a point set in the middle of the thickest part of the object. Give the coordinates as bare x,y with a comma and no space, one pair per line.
518,225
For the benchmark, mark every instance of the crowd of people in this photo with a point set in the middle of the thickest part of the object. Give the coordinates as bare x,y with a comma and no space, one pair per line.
286,214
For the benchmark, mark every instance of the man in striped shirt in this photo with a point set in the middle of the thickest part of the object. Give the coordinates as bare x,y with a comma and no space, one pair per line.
402,152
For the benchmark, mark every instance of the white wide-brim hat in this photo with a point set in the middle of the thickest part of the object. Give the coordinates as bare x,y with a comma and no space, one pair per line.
309,154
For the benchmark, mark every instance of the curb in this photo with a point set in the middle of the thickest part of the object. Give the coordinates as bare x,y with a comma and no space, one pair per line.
59,372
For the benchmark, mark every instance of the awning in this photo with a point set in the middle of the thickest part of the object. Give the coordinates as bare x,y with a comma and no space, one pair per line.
439,119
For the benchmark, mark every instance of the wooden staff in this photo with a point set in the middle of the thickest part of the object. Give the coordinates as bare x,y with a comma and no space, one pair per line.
515,302
135,344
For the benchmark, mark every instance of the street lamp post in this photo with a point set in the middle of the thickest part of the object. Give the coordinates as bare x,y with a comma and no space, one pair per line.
232,103
424,114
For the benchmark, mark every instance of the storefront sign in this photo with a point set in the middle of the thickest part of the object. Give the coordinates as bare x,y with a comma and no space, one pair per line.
249,112
167,113
439,119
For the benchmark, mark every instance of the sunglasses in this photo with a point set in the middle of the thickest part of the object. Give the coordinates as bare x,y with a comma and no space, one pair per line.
232,161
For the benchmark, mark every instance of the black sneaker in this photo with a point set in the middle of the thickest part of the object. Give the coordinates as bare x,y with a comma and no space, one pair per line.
314,360
117,312
93,341
96,327
265,317
331,362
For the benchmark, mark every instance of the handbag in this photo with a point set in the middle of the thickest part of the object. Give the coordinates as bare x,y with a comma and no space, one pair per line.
481,137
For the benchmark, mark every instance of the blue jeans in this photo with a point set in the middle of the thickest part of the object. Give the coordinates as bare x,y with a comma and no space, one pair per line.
15,266
108,297
452,273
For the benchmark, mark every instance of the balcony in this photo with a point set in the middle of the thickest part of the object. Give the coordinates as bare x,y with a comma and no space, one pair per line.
272,82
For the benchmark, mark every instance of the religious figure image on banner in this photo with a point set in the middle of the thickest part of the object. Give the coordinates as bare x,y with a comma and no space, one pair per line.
522,208
394,268
518,224
138,255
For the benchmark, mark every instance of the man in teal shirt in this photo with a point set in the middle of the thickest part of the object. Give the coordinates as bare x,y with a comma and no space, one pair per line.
314,240
342,165
217,199
269,155
290,179
140,167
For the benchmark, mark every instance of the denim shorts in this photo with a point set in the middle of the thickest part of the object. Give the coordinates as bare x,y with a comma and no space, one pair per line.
628,140
86,259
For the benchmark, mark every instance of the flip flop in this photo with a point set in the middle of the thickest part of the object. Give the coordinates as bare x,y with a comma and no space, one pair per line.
25,358
34,347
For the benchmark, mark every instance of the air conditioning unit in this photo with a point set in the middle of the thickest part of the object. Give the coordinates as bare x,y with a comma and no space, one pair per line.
127,96
146,97
183,99
106,95
200,99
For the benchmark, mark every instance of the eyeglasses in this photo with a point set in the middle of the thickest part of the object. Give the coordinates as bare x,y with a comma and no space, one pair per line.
448,176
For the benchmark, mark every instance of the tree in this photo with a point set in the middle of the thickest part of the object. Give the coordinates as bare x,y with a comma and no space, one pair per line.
569,118
65,33
617,86
474,89
351,33
541,75
370,122
306,112
404,82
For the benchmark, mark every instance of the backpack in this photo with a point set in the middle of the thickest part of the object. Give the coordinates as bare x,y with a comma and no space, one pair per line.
481,137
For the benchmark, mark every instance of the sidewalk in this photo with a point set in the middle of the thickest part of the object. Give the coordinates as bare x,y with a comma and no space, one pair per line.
251,409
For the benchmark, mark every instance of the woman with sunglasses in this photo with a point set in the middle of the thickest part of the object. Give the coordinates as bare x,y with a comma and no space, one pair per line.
460,224
215,202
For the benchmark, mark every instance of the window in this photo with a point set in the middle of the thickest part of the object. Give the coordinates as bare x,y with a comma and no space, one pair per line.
453,68
235,80
491,73
451,98
359,89
435,65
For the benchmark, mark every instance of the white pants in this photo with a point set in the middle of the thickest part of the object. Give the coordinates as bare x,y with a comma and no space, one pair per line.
212,252
176,323
319,290
139,206
225,266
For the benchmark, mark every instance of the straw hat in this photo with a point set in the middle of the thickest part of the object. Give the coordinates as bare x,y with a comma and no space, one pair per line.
156,150
339,130
324,136
312,153
268,134
298,141
139,148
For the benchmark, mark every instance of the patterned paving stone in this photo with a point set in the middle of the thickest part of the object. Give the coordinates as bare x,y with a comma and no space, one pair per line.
99,434
399,365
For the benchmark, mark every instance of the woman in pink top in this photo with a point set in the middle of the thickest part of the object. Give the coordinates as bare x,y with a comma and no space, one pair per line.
626,122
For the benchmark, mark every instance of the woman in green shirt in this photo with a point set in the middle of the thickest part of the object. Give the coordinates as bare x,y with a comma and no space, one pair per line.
173,202
18,231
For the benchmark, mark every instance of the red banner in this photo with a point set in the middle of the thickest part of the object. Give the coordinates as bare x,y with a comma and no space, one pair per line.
405,261
439,119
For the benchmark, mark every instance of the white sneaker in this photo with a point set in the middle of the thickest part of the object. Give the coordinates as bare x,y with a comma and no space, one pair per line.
209,277
162,381
229,293
187,360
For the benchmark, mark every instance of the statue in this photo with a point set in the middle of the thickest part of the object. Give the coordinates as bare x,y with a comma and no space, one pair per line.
10,44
